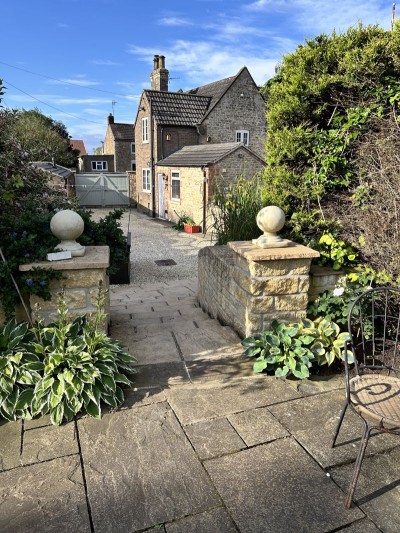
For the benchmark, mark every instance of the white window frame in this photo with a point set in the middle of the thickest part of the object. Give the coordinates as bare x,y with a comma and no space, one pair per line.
99,165
145,130
175,176
242,136
146,180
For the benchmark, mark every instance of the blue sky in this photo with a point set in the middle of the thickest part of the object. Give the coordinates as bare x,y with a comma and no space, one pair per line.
80,56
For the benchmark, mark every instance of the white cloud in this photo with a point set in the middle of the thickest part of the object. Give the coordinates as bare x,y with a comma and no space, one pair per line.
62,25
175,21
73,81
202,62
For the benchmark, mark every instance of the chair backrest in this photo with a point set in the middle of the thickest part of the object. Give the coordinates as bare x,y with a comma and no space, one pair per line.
374,327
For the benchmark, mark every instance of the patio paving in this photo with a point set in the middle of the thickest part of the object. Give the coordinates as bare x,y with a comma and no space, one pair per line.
202,445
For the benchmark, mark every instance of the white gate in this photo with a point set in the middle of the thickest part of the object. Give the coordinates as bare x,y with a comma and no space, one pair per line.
94,189
161,195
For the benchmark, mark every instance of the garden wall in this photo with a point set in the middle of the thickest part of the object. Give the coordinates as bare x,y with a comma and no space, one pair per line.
248,287
81,278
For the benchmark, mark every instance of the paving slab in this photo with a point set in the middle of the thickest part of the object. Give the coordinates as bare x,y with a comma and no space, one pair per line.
278,487
317,384
223,367
198,402
312,420
163,374
138,397
378,488
361,526
214,438
214,521
48,442
200,343
10,444
153,478
43,498
161,349
257,426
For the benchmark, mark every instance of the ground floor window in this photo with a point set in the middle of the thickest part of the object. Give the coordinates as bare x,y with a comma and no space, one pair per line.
99,165
146,180
175,185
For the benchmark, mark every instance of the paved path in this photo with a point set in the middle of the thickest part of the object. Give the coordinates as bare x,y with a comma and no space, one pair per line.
201,445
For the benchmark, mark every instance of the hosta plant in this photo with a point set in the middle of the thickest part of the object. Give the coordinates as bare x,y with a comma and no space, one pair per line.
19,370
83,367
282,349
287,349
64,368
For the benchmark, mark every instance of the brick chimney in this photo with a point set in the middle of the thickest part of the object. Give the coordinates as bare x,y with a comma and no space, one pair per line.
159,76
111,118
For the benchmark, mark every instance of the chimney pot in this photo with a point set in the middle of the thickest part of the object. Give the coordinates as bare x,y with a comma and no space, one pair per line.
111,118
156,59
162,62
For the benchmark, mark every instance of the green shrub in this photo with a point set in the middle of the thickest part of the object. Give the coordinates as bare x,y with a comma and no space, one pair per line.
64,368
287,349
235,208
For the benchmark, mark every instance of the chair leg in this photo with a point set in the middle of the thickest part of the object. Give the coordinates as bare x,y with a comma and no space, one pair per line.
342,413
357,466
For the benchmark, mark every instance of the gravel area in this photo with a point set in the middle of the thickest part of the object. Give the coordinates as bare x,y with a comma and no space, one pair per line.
155,239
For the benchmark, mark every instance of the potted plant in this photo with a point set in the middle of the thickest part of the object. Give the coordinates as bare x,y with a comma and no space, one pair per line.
189,226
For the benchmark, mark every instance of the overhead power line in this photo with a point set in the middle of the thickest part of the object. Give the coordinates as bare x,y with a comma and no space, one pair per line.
49,105
62,81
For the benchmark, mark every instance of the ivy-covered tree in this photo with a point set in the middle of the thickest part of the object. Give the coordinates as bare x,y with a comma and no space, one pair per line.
334,137
43,138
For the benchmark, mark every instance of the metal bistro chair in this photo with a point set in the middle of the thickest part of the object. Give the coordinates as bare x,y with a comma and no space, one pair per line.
373,392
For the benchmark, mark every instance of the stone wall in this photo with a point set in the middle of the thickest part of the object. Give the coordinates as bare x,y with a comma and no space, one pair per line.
322,279
248,287
81,278
241,108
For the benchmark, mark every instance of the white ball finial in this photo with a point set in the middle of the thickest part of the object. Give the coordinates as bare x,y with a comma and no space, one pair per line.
67,226
270,220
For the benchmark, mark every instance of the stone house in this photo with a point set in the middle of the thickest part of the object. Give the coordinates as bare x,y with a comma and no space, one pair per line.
186,178
118,154
231,110
120,142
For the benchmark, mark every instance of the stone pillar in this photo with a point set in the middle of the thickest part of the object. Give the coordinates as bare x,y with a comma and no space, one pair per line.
269,284
81,278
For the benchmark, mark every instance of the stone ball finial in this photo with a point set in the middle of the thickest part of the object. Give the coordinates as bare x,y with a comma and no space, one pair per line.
270,220
67,225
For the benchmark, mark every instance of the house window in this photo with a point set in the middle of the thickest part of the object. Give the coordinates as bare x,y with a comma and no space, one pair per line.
132,148
242,136
145,130
146,180
133,165
99,165
175,185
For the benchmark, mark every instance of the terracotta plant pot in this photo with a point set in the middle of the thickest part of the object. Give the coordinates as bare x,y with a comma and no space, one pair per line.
191,229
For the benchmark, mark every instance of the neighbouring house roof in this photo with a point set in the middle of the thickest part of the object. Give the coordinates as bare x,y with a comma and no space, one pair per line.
202,155
78,144
123,132
177,109
58,170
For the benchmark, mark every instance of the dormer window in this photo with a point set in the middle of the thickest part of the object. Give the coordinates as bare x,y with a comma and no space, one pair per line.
242,136
145,130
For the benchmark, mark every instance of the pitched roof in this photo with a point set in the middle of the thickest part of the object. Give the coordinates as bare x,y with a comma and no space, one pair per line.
201,155
123,132
177,109
215,89
47,166
78,144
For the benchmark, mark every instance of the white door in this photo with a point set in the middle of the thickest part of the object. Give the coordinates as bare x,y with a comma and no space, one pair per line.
161,195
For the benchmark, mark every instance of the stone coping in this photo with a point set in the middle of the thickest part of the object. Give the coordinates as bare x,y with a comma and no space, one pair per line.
95,257
252,252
